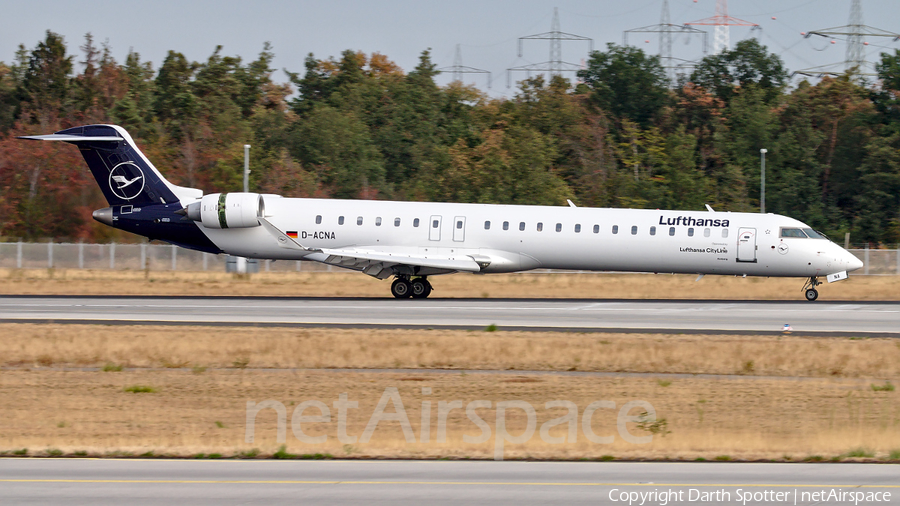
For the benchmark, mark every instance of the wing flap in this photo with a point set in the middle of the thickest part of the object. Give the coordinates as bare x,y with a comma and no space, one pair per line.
362,258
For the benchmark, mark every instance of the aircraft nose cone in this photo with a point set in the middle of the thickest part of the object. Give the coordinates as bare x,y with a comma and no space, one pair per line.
104,215
853,263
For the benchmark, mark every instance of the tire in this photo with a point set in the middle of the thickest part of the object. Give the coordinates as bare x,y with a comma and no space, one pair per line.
812,294
401,288
421,288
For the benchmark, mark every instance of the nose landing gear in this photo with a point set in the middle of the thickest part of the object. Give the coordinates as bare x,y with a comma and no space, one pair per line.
403,288
810,288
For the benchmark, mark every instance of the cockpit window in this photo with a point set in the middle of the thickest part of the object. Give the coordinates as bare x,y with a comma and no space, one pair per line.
813,234
792,232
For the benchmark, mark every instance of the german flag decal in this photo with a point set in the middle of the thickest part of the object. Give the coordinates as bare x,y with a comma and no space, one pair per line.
292,235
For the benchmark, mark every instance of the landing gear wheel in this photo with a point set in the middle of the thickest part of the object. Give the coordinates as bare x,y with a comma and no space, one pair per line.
401,288
421,288
810,288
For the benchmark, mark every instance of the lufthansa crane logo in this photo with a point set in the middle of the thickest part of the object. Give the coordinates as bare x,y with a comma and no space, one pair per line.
126,180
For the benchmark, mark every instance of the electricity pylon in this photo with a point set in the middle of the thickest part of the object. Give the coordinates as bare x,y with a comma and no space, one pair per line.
855,32
666,29
555,66
458,69
722,23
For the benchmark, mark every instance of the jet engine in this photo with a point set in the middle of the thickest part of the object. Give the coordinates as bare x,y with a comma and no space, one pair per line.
228,210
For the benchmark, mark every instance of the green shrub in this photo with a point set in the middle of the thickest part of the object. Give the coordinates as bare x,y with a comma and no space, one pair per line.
887,387
140,389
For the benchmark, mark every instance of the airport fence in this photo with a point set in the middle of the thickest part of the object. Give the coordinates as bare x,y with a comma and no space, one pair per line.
165,257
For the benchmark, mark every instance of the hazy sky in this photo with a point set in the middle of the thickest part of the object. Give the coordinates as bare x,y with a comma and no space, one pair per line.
487,30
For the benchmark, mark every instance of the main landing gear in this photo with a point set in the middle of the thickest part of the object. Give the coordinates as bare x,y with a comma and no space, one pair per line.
403,288
810,288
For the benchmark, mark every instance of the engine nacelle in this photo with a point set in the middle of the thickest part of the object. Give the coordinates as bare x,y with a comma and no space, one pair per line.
228,210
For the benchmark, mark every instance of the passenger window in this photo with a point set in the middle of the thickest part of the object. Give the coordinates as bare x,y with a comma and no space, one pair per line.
487,225
724,232
577,228
634,230
596,229
359,220
319,219
522,225
652,230
559,227
435,224
540,227
615,229
505,225
340,220
671,230
378,221
691,232
459,224
705,232
396,222
416,222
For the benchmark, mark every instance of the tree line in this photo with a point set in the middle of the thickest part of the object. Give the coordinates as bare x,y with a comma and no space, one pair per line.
358,126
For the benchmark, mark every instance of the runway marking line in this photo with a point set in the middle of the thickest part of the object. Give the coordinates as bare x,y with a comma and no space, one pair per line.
493,483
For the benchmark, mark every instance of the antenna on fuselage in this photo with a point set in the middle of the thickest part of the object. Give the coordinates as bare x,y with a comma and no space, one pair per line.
709,208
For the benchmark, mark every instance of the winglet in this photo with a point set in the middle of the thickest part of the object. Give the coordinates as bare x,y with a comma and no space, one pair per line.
710,209
284,240
571,204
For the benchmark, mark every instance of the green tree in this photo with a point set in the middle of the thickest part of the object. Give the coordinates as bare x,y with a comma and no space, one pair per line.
748,64
878,198
47,80
174,104
336,145
626,82
135,111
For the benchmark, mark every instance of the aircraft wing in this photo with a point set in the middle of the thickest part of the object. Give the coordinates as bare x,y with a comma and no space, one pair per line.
373,261
364,258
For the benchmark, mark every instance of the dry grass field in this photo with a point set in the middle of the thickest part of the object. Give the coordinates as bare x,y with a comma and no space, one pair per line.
56,345
182,413
182,391
351,284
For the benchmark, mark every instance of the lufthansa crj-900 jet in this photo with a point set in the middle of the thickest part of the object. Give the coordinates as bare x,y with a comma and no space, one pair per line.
411,241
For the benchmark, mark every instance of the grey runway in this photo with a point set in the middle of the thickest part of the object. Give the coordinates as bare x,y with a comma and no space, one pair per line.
86,481
846,318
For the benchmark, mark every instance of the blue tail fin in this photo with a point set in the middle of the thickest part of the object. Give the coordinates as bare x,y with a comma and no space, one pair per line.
125,175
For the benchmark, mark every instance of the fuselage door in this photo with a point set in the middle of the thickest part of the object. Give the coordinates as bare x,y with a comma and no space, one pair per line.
434,228
746,251
459,228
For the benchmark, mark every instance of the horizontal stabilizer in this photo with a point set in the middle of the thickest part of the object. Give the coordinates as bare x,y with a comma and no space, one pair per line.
71,138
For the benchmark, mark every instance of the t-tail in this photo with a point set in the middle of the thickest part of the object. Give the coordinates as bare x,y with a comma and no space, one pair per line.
140,198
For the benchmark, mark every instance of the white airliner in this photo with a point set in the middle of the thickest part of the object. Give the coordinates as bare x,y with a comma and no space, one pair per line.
411,241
